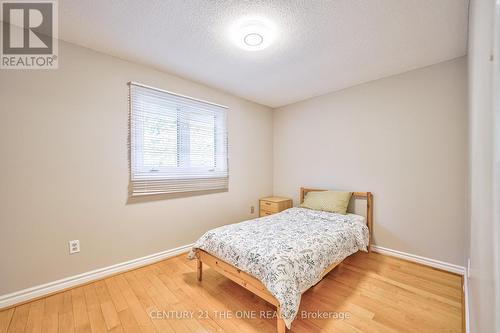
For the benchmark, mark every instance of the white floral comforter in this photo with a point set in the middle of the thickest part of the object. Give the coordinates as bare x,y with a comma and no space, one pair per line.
287,251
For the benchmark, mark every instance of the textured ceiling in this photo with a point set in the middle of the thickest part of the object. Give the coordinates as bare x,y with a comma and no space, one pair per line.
322,46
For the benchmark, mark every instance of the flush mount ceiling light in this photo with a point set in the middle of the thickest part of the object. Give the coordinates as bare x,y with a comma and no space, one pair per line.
253,33
253,39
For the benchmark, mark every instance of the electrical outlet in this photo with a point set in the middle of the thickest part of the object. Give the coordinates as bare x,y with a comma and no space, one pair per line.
252,209
74,246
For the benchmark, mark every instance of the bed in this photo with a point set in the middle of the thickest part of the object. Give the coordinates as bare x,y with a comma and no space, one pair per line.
281,256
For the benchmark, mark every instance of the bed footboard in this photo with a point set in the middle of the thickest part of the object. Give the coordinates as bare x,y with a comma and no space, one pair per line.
245,280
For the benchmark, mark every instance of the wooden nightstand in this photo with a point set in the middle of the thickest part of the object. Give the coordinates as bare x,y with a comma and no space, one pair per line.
273,205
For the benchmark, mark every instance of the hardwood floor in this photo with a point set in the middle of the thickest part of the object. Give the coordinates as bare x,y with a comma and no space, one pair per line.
377,293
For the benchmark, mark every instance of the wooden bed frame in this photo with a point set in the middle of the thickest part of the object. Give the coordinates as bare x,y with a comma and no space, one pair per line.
251,283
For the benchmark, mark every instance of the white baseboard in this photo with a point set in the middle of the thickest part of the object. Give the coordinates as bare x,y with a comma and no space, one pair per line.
421,260
51,287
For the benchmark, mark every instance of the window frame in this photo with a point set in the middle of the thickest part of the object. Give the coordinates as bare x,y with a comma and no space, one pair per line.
139,172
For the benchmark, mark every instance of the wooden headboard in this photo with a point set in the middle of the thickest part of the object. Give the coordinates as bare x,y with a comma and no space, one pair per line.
355,195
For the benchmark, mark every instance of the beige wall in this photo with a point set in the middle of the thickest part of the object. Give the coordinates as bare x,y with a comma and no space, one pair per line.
483,248
64,171
404,138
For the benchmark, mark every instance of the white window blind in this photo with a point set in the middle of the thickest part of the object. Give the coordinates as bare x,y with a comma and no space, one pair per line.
177,144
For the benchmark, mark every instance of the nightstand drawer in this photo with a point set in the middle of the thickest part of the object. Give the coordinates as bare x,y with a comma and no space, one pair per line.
268,206
265,213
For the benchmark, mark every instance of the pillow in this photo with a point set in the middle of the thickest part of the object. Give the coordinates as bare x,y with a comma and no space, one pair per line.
330,201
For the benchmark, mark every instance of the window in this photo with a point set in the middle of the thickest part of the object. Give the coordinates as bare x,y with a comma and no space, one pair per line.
177,144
